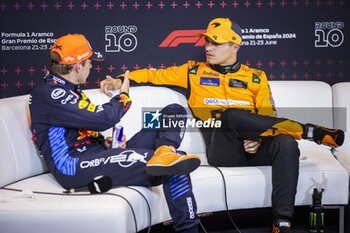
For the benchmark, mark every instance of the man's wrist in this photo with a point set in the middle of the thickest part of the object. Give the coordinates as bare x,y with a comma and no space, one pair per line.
124,93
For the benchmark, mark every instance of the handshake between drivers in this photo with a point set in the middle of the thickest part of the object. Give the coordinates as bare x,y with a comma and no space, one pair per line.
111,84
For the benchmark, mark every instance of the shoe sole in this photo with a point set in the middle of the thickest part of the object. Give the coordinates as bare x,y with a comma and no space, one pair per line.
180,168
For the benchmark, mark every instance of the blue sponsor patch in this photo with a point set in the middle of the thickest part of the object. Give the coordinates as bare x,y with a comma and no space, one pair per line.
210,81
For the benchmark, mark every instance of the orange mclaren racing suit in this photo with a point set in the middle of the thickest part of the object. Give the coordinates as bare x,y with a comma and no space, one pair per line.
210,92
241,98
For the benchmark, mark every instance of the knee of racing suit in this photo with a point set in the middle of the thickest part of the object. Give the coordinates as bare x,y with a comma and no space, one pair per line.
176,109
285,146
173,126
233,120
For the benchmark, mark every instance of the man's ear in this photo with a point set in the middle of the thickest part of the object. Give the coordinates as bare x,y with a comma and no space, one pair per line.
236,47
78,66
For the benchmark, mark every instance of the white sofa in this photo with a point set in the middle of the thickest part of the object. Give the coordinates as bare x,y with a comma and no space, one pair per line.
247,187
341,102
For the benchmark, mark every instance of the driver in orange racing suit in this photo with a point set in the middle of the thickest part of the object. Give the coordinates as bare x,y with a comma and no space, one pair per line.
250,134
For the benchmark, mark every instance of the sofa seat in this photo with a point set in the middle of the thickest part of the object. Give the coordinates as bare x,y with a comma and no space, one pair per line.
246,187
107,213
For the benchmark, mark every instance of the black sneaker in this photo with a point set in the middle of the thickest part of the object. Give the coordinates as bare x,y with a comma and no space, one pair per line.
322,135
281,226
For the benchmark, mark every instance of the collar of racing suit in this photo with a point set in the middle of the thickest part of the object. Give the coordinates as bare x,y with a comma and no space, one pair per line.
227,69
57,79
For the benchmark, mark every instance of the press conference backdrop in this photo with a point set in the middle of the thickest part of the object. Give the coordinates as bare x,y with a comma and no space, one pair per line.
288,39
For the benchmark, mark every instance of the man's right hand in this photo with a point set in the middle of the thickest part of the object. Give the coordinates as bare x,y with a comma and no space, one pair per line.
251,146
110,84
126,83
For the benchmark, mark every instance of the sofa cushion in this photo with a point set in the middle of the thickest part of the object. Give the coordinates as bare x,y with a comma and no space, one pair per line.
19,158
305,102
341,101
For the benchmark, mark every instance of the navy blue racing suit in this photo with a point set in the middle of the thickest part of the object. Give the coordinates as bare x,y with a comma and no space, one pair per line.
65,127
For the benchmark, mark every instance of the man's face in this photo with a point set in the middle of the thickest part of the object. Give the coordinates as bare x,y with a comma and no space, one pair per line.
84,72
220,54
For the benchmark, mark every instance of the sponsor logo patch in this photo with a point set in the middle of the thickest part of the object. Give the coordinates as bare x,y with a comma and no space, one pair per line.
214,101
83,104
58,80
68,98
238,83
99,108
125,159
87,133
210,73
126,101
210,81
91,107
83,96
256,79
57,93
194,70
190,207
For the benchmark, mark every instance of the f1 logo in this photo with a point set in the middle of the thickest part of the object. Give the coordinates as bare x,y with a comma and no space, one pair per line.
183,37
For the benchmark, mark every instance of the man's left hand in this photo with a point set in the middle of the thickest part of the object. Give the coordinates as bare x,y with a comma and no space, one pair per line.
122,143
251,146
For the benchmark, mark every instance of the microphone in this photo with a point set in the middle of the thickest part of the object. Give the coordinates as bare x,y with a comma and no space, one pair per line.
100,184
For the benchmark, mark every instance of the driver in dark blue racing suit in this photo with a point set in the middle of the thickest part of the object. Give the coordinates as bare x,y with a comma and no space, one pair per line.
65,127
